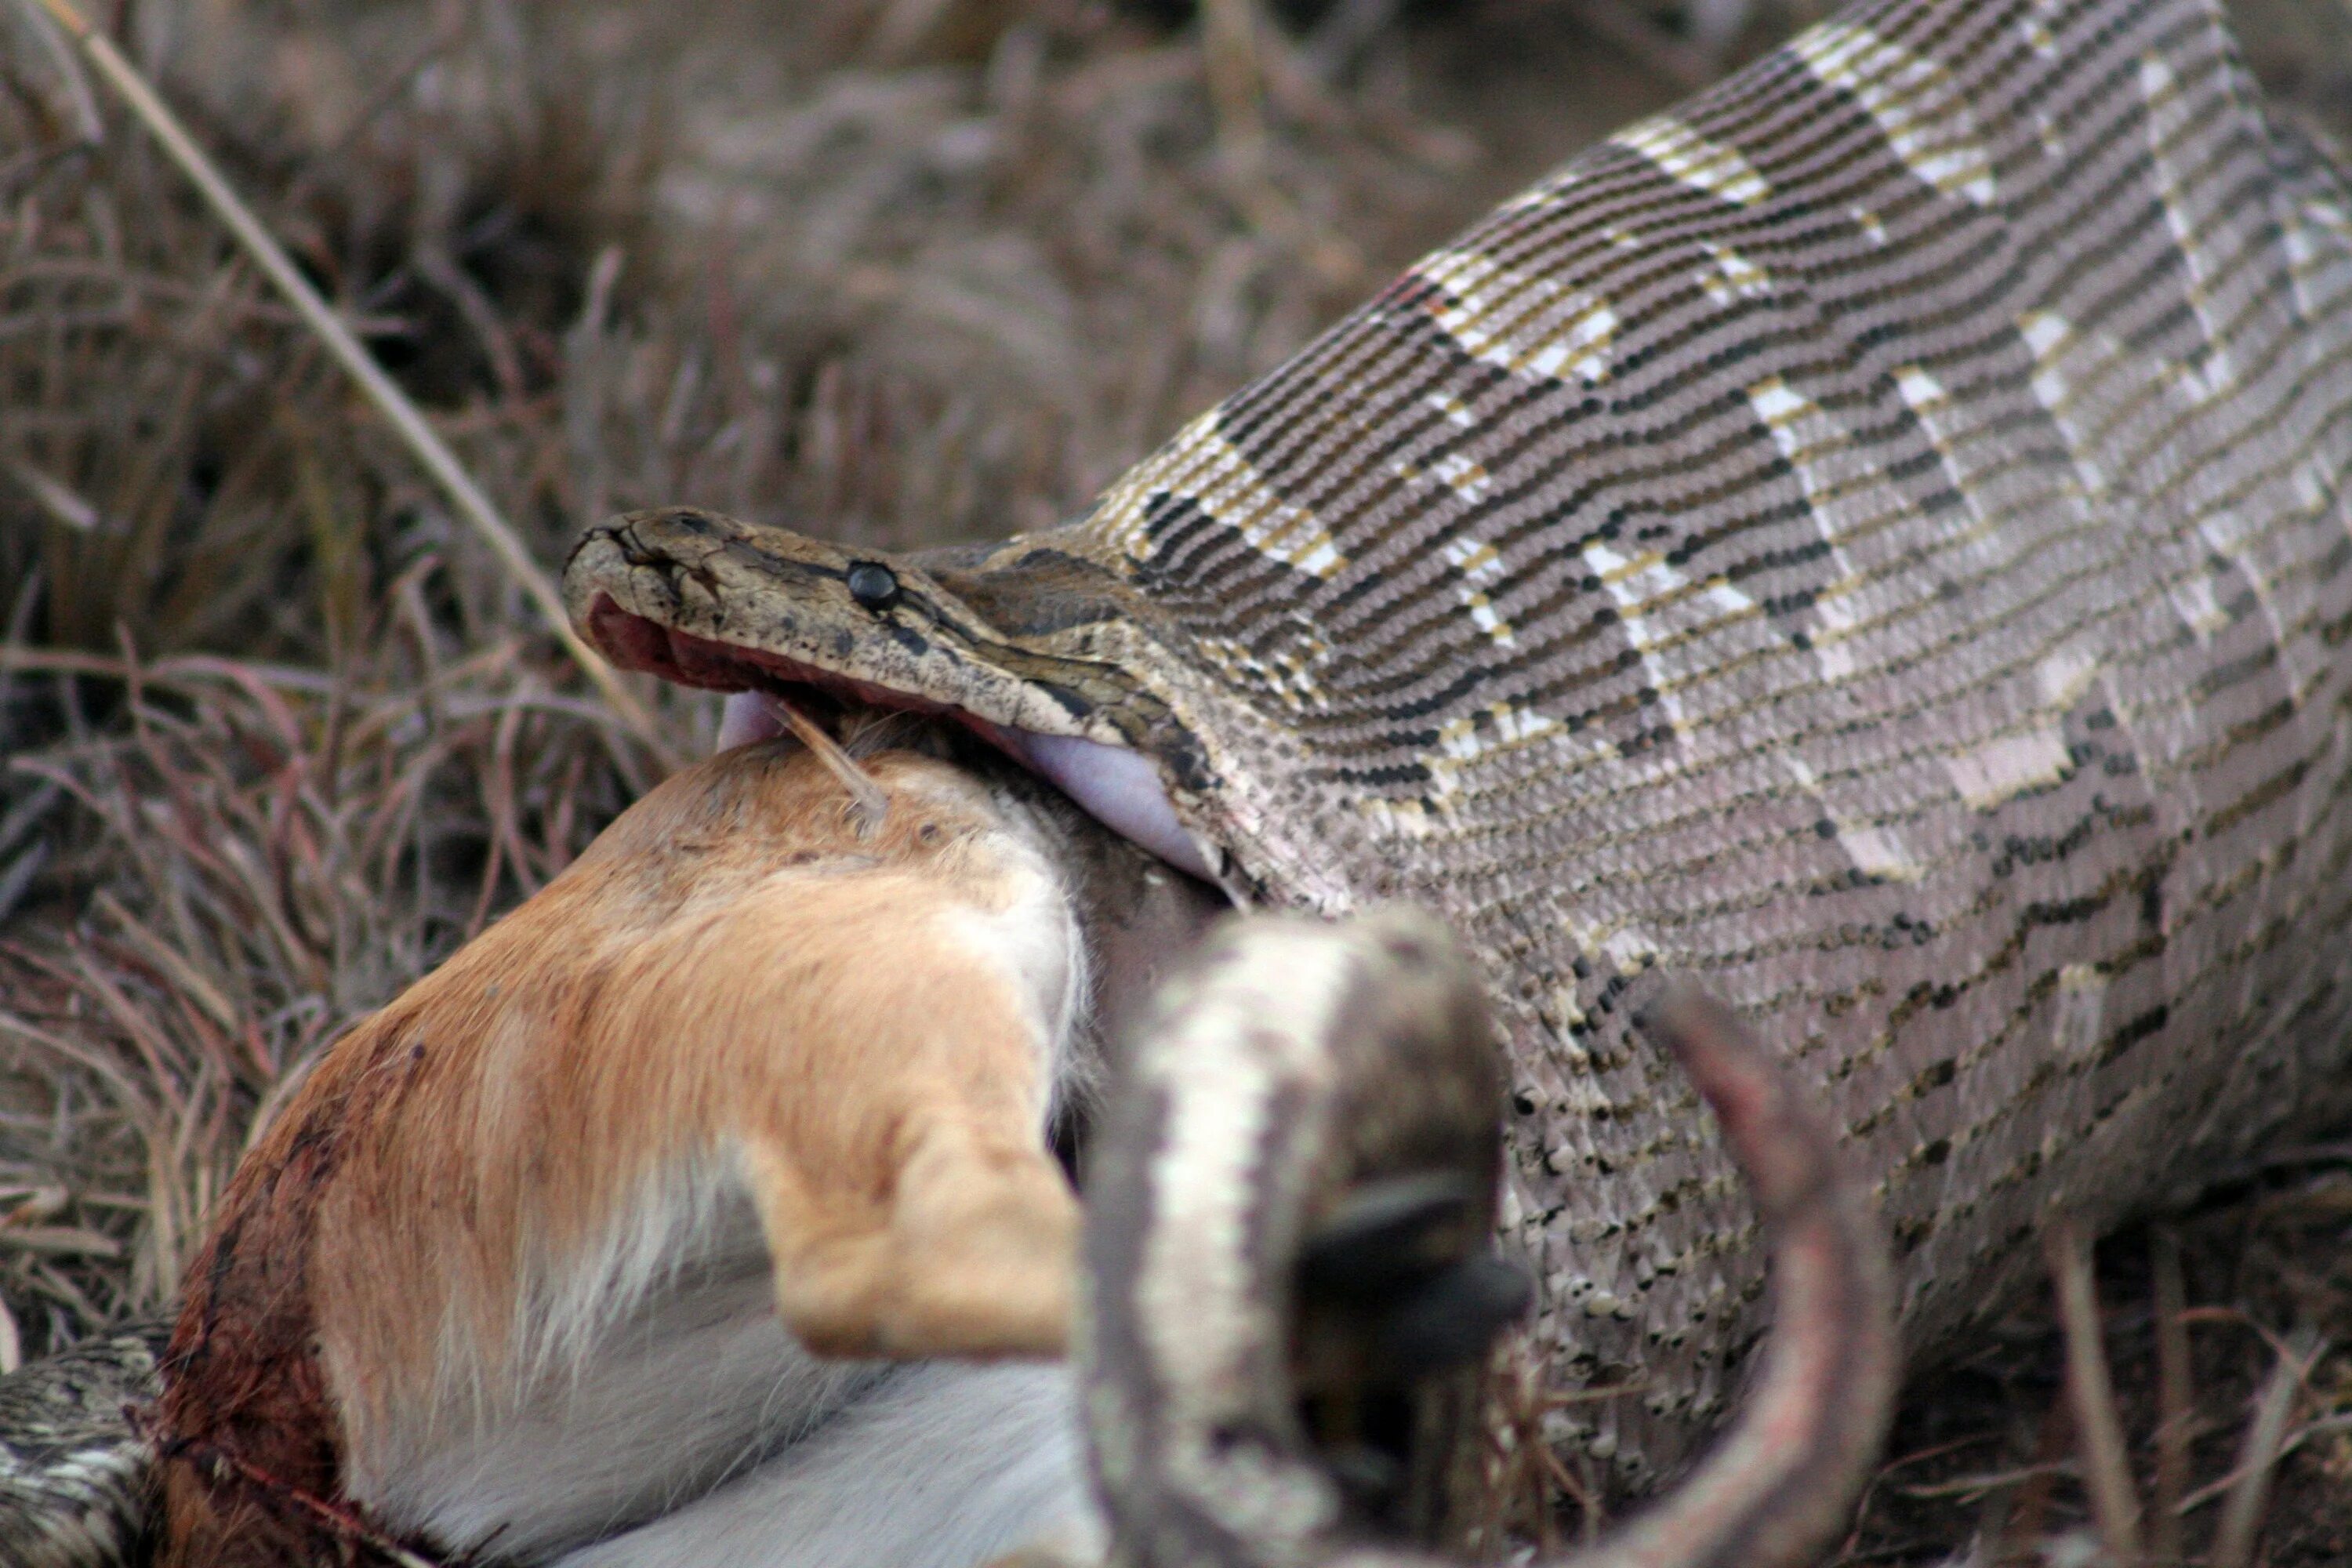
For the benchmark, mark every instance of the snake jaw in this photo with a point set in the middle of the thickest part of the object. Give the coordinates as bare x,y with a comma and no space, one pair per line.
1117,787
710,600
668,591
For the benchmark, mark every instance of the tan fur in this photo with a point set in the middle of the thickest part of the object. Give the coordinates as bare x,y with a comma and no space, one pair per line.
747,982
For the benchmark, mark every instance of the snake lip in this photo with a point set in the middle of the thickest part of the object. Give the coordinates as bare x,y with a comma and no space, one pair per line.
635,642
1119,788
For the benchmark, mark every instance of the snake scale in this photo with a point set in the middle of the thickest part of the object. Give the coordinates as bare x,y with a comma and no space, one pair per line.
1873,539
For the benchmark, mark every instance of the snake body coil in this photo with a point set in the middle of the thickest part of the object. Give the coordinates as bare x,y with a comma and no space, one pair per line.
1306,1076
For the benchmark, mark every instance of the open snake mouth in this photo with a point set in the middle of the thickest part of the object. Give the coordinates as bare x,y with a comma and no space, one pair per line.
1120,788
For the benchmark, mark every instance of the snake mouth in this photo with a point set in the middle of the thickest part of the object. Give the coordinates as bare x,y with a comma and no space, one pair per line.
635,642
1120,788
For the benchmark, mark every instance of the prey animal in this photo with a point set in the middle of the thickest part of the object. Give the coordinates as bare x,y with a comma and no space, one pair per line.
544,1261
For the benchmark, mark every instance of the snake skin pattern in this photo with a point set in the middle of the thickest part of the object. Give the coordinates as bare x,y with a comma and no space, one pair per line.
1293,1069
1874,540
75,1484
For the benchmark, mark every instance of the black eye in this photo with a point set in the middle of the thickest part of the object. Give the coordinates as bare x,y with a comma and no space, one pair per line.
873,584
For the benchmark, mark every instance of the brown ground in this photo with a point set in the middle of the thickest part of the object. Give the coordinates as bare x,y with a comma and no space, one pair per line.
280,735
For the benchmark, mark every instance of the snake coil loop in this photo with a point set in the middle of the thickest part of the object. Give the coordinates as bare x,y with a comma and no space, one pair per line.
1287,1250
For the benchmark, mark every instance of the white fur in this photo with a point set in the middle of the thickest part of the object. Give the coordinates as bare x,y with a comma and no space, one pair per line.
623,1401
1035,941
939,1466
683,1416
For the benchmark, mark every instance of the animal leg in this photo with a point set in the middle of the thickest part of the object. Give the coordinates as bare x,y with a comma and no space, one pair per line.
970,1252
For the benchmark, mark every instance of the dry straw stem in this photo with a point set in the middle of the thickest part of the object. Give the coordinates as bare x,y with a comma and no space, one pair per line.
2177,1398
2091,1392
429,448
2242,1517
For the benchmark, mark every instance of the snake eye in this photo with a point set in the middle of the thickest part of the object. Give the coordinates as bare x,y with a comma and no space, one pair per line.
873,584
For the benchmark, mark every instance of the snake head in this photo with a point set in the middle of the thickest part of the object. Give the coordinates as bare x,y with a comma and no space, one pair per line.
1037,651
705,599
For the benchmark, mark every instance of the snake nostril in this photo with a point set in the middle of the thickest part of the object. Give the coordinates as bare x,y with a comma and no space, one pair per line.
873,584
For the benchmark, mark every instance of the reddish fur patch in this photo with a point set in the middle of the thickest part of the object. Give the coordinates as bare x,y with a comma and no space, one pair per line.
243,1381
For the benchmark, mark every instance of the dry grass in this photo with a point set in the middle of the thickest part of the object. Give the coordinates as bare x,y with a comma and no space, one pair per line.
278,734
2182,1397
2223,1333
266,853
